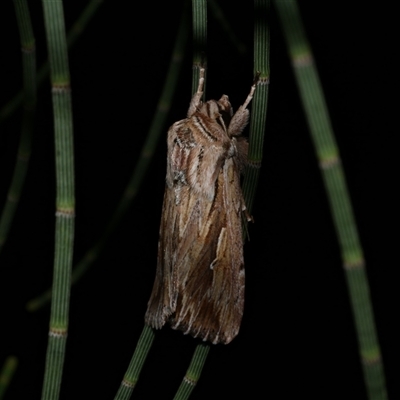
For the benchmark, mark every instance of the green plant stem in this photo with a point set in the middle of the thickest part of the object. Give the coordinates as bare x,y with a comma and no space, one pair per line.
260,100
73,34
333,176
27,40
139,356
199,27
65,198
193,372
219,16
145,158
7,373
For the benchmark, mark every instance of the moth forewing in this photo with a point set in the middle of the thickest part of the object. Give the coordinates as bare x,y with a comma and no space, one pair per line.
199,284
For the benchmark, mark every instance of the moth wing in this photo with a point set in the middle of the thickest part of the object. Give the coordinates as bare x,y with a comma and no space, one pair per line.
182,216
210,272
163,296
199,284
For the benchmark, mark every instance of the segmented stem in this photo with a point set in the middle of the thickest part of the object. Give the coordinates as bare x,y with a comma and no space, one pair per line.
260,100
135,366
199,26
65,198
339,200
193,372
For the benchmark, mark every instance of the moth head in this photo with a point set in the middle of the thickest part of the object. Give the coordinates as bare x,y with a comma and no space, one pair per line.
220,110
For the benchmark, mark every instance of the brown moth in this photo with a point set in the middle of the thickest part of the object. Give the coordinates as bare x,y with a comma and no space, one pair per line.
199,284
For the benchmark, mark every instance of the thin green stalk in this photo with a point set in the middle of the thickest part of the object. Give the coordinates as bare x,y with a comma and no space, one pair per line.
7,373
135,366
193,372
338,196
219,16
145,158
260,100
73,34
27,40
65,199
199,27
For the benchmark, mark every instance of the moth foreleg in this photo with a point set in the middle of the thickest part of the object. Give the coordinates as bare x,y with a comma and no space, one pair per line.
195,103
241,116
252,90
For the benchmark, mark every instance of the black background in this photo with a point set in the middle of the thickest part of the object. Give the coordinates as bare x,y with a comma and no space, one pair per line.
297,336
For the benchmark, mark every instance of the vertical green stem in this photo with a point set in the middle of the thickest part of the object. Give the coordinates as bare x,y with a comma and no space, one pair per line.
222,21
193,372
199,22
145,158
332,172
139,356
65,198
29,102
76,30
260,100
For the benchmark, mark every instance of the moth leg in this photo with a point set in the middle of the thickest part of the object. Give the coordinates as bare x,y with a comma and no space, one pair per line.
252,90
196,99
241,116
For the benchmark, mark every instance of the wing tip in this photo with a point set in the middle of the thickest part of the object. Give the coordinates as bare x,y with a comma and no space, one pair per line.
207,334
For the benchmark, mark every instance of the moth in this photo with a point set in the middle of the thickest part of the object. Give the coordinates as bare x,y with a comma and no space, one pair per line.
200,278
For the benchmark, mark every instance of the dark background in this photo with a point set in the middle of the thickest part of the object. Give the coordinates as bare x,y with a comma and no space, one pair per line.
297,336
